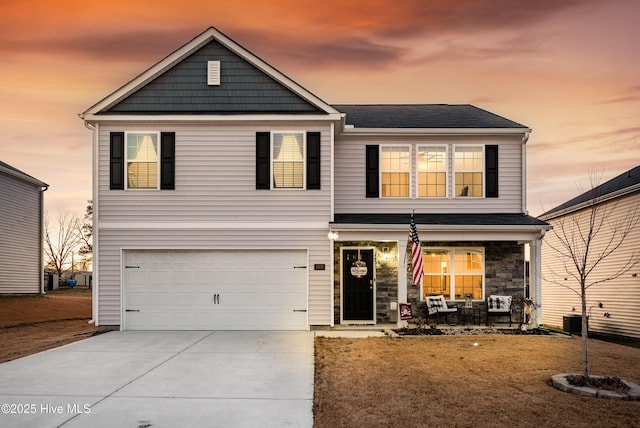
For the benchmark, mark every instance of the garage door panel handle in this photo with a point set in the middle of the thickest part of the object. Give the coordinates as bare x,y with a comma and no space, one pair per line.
299,310
133,310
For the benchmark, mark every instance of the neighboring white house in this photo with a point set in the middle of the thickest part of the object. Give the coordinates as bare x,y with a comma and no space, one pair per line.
227,196
613,305
21,219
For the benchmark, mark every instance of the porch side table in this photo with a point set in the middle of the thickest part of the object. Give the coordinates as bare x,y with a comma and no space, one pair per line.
471,315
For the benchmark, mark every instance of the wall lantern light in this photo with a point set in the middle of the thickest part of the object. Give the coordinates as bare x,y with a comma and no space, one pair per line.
333,236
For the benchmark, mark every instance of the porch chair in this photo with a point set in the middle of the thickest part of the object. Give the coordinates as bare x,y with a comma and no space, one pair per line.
499,306
437,305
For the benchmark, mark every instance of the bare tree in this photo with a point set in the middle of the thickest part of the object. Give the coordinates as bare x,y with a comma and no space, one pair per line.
85,234
60,240
584,242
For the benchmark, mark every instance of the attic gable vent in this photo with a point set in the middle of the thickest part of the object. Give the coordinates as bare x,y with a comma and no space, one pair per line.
213,73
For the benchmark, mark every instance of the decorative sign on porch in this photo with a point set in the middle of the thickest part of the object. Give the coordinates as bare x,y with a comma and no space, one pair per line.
405,311
359,269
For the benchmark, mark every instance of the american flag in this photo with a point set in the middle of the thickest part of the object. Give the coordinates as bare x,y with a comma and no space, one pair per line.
416,253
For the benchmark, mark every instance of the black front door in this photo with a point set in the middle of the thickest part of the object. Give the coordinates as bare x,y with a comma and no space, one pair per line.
357,286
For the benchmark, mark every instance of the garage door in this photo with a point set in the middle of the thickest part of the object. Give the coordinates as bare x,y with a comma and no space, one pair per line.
215,290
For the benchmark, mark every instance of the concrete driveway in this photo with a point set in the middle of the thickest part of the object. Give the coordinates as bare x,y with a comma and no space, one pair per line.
164,379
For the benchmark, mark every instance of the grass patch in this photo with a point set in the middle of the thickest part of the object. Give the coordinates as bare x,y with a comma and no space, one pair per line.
447,381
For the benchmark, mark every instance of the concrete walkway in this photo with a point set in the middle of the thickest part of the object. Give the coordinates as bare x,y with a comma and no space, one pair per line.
164,379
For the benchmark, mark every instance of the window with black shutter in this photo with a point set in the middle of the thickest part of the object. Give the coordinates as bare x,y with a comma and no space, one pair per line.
313,160
116,161
263,160
372,171
168,160
491,170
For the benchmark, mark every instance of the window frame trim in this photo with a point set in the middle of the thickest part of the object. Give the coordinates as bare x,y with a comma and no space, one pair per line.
126,161
452,271
454,171
410,170
304,160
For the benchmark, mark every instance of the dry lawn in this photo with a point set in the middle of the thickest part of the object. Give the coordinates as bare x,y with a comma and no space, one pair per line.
445,381
30,324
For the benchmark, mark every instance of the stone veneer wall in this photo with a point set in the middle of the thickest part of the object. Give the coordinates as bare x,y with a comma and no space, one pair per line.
504,274
386,279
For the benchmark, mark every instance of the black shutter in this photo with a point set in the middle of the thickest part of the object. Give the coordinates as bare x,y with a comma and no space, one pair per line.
263,160
372,171
313,160
491,170
116,161
167,160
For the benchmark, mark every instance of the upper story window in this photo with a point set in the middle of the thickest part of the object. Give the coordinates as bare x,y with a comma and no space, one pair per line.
432,171
469,171
395,171
445,170
288,160
142,157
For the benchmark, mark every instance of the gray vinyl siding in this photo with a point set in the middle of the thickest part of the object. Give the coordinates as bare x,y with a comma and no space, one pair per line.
20,237
350,178
215,182
620,297
215,179
243,89
315,241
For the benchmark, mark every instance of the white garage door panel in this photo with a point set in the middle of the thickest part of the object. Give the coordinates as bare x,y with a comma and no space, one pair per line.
215,290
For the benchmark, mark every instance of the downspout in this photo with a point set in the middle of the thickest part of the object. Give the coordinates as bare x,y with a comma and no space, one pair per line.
525,138
331,219
94,263
42,190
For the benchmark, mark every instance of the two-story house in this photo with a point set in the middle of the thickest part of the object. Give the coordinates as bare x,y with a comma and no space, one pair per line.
227,196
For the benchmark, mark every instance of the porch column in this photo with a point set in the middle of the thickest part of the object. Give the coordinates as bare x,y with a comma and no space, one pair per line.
402,276
535,272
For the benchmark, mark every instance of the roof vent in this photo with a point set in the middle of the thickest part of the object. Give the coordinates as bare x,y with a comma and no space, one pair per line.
213,73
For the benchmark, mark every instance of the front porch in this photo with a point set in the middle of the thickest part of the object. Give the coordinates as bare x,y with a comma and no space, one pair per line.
373,296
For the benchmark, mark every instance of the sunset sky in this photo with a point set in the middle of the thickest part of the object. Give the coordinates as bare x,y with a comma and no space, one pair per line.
569,69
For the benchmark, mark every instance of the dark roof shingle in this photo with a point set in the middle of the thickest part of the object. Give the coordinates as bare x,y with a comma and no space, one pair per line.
422,116
623,181
441,219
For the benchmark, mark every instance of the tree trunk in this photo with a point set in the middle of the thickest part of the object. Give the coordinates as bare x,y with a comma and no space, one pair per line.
585,333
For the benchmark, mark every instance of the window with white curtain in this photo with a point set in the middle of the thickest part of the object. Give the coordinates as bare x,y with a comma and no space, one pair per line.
142,160
288,160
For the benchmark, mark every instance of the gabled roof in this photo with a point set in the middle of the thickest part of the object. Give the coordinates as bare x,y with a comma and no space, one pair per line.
113,103
423,116
8,169
623,184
